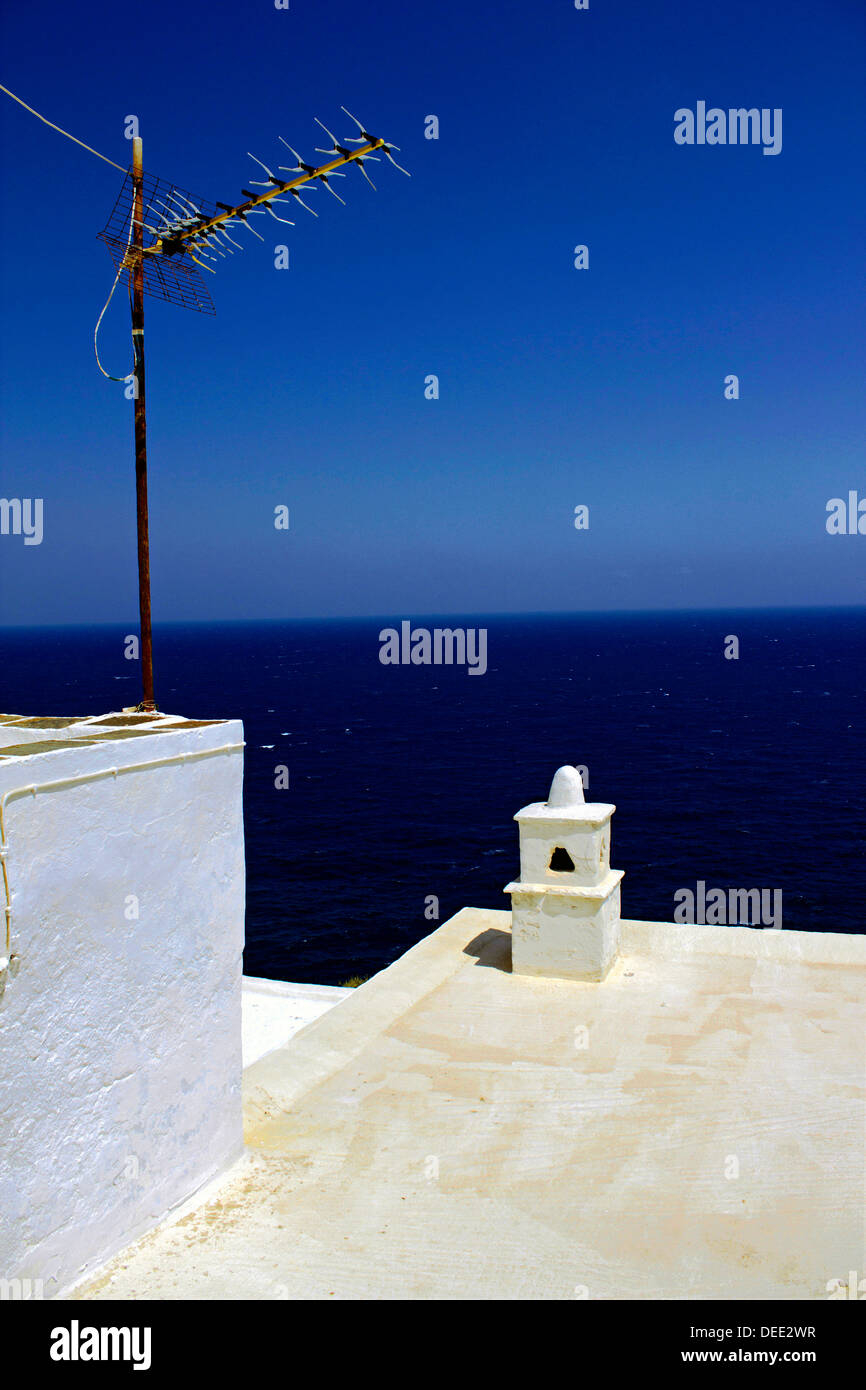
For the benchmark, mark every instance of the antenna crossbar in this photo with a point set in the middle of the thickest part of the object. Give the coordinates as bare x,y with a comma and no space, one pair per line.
191,235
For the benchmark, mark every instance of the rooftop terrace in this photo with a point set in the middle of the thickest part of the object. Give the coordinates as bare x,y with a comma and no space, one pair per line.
691,1128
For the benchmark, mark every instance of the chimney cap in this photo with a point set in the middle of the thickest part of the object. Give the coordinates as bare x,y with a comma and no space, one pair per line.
566,789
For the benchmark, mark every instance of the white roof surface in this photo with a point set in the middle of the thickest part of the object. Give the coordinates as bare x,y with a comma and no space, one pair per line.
691,1128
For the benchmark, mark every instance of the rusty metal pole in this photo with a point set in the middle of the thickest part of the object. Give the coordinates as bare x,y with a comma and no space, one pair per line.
148,702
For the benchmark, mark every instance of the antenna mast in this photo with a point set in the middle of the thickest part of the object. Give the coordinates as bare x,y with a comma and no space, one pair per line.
137,247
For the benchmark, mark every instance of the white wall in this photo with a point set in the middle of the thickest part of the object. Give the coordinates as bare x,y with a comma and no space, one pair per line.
120,1036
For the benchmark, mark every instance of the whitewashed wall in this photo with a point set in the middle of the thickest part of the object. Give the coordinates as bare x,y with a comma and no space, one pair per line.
120,1034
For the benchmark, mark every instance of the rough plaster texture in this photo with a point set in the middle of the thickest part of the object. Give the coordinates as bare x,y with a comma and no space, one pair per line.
120,1022
452,1130
565,934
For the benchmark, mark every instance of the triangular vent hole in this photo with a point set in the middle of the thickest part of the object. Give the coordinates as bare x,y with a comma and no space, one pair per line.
561,861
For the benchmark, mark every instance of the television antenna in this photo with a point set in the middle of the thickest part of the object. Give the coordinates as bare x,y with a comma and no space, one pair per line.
160,238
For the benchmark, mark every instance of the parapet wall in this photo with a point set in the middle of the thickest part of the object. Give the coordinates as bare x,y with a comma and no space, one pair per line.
120,1015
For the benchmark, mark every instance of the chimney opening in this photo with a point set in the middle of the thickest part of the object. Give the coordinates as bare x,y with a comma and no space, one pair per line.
561,861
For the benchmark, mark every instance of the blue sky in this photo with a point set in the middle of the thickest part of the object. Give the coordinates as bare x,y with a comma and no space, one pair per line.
557,387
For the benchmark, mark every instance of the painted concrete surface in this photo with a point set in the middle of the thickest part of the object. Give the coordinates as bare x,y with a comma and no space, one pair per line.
690,1128
274,1011
120,1015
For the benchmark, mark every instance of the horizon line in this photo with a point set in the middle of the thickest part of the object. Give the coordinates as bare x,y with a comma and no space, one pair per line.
489,613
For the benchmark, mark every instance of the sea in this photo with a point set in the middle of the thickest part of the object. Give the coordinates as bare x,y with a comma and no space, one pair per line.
735,772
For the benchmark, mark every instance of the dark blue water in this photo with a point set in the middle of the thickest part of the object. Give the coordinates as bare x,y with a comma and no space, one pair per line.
403,780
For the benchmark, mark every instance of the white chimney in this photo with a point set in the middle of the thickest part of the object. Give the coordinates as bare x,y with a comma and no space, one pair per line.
565,905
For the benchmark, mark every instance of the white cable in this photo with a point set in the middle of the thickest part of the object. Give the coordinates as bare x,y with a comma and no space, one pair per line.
61,132
120,268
